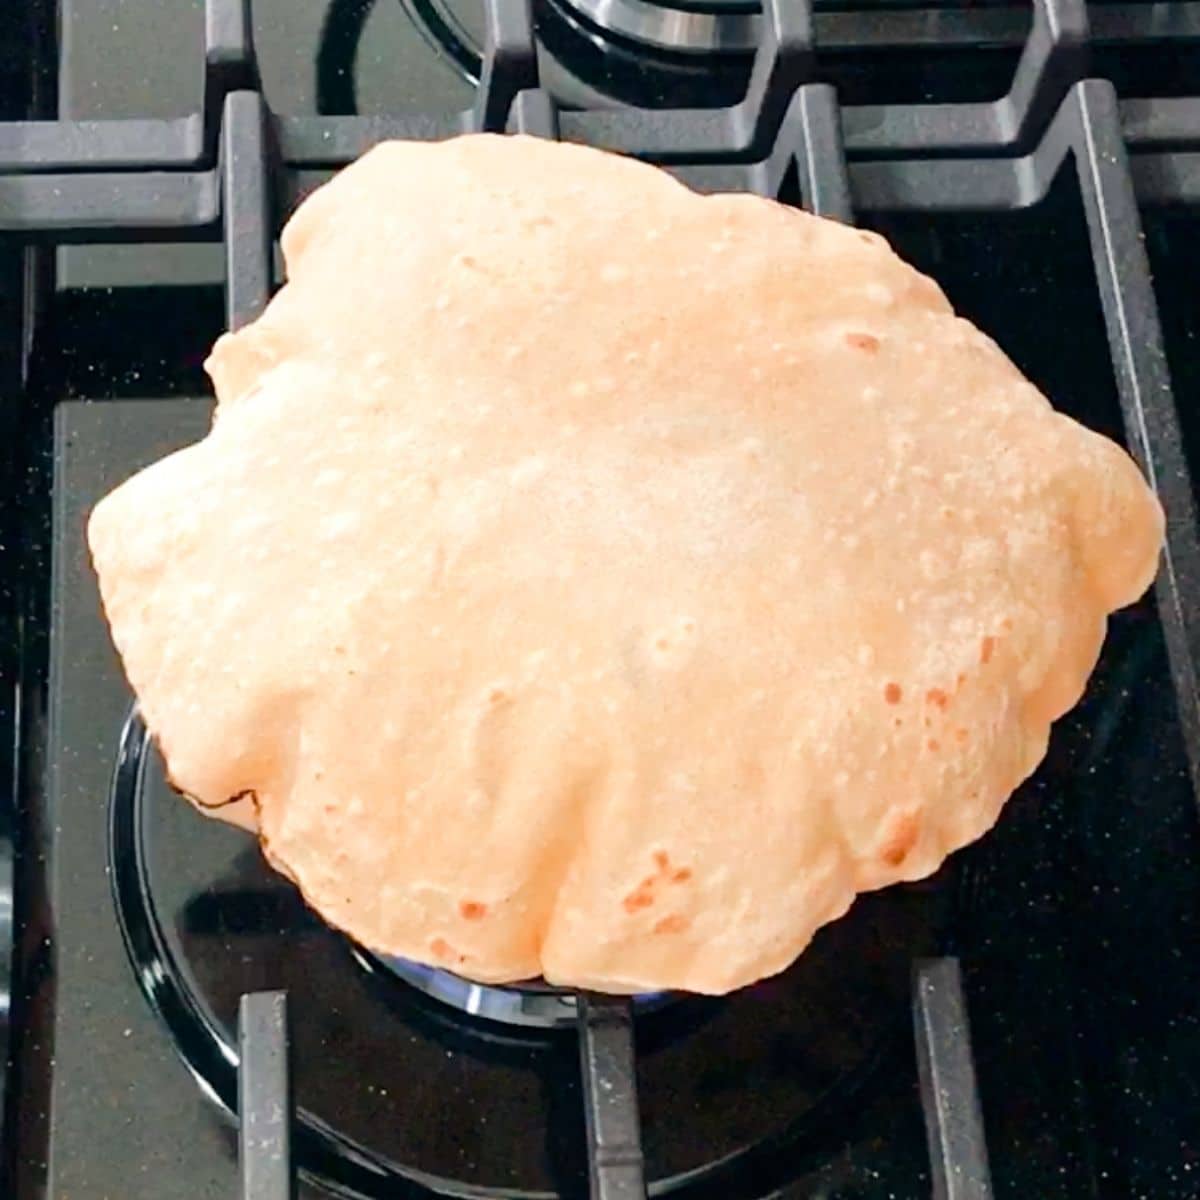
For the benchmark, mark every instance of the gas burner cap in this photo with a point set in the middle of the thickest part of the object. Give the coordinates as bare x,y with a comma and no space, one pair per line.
531,1003
680,26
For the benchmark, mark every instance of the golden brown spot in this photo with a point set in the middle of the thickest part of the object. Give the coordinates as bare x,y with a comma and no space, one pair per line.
938,697
985,649
672,924
441,948
1006,624
662,860
472,910
640,897
682,875
863,341
900,838
893,693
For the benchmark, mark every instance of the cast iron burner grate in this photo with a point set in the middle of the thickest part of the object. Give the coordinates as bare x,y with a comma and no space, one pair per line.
229,171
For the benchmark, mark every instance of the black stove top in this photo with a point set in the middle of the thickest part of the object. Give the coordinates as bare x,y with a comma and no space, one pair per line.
1043,162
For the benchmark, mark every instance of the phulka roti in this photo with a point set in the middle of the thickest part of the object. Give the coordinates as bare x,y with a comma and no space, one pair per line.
590,579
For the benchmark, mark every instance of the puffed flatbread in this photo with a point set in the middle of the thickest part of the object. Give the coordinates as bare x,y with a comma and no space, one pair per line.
589,579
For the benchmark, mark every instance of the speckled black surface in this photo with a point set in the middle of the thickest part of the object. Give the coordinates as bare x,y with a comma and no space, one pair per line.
1076,919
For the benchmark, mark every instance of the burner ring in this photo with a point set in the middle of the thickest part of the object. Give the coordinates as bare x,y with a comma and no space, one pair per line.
675,25
531,1003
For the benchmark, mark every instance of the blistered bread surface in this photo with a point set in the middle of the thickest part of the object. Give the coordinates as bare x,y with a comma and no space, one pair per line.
589,579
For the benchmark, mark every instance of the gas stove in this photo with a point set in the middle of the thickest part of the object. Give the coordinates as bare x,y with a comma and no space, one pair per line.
1023,1024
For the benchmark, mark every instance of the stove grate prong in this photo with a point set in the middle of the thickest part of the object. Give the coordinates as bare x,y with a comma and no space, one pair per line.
614,1135
265,1098
949,1097
509,63
245,207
